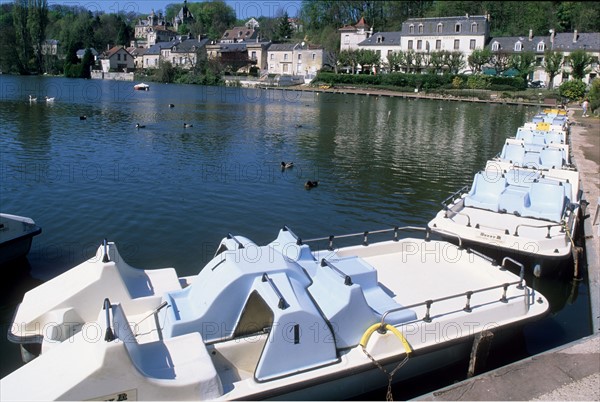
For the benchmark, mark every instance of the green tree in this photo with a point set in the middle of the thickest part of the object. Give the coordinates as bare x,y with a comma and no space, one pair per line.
367,57
580,62
285,30
87,63
395,60
22,36
552,64
37,22
437,60
500,61
348,58
524,63
455,62
594,95
479,58
573,90
165,72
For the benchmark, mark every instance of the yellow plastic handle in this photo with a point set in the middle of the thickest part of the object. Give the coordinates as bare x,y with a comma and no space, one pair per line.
367,335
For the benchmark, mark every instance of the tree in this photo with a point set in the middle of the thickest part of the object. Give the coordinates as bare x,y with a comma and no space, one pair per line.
22,36
523,63
367,57
285,30
455,62
165,72
500,61
580,62
438,61
395,60
87,63
479,58
553,62
348,58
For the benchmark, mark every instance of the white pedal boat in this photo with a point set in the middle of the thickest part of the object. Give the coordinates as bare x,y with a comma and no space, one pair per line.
273,321
520,211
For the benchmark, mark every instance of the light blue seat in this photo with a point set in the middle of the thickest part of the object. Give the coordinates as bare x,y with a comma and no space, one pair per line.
538,138
553,137
513,153
485,191
512,200
525,134
531,159
545,201
521,177
552,158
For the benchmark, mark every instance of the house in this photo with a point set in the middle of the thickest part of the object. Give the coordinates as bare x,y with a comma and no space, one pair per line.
187,53
50,47
116,59
352,35
296,59
184,16
564,43
138,55
81,52
454,34
233,56
153,29
382,43
239,34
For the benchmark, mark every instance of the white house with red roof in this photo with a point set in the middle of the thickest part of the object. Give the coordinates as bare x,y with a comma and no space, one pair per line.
117,59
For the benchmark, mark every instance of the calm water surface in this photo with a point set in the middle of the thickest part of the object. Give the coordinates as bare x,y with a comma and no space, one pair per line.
167,195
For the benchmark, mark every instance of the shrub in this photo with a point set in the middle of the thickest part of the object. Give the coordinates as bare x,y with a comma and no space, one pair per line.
478,82
457,82
594,95
573,90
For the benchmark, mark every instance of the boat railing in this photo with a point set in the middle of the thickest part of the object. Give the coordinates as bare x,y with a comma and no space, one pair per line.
347,278
467,295
548,227
282,303
232,237
365,235
451,199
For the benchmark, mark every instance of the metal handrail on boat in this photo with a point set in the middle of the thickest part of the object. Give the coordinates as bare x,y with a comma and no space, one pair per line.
453,197
232,237
347,278
516,234
467,308
366,234
282,303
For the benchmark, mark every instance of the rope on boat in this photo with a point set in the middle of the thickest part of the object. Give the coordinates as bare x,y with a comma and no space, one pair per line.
407,348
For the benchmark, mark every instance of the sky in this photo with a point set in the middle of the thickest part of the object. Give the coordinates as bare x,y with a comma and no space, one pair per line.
244,8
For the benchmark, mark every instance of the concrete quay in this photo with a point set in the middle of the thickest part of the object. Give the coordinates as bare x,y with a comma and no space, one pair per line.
572,371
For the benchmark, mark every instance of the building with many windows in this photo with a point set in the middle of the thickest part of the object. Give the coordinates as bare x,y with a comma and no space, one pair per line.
352,35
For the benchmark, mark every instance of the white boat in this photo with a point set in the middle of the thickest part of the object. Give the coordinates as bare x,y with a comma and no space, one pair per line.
141,87
526,211
257,322
16,235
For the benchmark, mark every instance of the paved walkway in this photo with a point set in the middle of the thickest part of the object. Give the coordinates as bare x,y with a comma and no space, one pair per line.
570,372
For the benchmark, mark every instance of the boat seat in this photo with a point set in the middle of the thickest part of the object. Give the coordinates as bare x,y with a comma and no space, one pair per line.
531,159
485,192
513,153
554,138
552,158
521,177
183,360
545,201
512,200
363,274
525,135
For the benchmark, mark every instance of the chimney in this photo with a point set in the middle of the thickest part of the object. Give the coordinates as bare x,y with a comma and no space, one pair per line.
467,15
552,36
574,36
530,34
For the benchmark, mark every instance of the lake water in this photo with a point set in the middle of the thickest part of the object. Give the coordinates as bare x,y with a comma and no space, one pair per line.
167,194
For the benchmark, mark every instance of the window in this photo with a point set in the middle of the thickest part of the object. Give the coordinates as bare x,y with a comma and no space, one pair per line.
410,44
285,68
456,44
472,44
474,27
411,29
420,28
118,57
346,39
125,57
457,28
272,56
419,44
541,47
314,56
285,56
253,55
495,46
378,52
518,47
438,44
440,27
299,56
389,52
